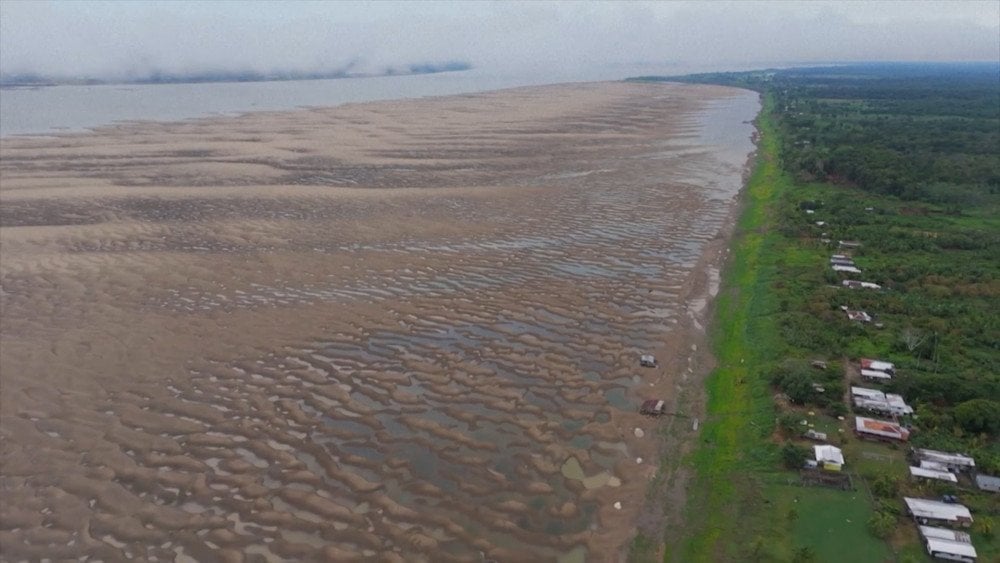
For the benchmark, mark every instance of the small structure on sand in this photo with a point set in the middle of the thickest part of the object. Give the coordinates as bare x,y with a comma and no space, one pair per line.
653,407
647,361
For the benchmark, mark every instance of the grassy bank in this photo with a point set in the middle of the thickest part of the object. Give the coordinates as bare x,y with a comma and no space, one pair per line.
739,410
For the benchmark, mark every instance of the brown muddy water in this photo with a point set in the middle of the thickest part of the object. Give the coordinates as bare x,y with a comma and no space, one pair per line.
397,330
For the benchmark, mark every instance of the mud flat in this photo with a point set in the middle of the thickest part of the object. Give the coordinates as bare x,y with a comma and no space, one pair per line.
397,330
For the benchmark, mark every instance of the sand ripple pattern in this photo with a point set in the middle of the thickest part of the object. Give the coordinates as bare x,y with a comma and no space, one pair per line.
212,351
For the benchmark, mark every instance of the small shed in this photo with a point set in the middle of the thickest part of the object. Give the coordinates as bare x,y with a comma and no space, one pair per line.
875,375
888,367
845,268
854,284
988,483
814,435
647,361
829,457
653,407
859,316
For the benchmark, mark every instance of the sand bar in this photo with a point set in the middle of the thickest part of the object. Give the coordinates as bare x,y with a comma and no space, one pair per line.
405,330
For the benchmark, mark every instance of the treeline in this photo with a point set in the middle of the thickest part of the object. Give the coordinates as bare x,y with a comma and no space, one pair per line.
906,160
923,132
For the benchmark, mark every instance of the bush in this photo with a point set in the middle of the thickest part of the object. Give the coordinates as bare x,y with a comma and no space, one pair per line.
794,456
882,524
885,486
979,416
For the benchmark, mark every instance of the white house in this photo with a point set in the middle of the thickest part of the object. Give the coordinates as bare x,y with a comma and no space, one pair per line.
924,473
829,457
943,543
953,461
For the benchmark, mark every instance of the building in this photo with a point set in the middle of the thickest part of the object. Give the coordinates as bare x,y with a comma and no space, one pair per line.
876,401
875,375
927,511
952,461
647,361
872,429
853,284
859,316
829,457
988,483
845,268
952,545
936,474
888,367
848,244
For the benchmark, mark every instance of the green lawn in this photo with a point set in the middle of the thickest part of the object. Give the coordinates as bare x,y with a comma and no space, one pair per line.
833,523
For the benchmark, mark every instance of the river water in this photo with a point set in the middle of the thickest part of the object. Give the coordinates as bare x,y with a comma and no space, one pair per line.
78,107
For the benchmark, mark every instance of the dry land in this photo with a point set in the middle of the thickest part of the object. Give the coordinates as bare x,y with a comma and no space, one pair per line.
403,330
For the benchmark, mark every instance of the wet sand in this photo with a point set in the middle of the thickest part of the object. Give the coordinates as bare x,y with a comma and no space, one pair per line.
399,330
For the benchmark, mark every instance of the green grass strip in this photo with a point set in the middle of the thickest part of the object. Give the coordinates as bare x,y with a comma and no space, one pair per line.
733,440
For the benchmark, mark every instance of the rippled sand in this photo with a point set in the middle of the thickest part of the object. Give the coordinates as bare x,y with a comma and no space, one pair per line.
399,330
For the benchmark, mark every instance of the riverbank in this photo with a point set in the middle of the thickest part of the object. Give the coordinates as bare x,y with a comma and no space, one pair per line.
738,408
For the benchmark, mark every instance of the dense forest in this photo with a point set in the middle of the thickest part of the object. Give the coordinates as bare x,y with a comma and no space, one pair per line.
902,161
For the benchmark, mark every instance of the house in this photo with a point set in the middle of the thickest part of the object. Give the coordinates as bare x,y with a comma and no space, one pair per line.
845,268
873,429
952,545
887,367
853,284
988,483
877,401
848,244
859,316
647,361
924,473
875,375
829,457
926,511
952,461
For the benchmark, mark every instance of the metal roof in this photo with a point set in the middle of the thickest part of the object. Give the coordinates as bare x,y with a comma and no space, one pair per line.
933,474
950,547
936,510
945,457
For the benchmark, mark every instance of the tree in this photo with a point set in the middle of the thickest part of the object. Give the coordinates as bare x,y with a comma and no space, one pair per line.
985,526
793,515
882,524
979,415
804,554
794,456
885,486
912,339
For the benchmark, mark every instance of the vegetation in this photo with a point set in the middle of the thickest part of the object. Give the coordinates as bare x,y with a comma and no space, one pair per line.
903,159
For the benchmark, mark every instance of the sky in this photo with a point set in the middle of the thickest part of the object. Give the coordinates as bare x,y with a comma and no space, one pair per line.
121,39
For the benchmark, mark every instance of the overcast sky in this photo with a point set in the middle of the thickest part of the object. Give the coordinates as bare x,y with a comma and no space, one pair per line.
119,38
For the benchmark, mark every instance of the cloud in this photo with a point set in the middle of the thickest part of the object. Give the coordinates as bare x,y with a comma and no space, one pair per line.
123,39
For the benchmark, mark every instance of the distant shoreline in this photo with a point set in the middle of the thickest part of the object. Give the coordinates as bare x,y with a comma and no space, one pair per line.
30,81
